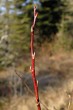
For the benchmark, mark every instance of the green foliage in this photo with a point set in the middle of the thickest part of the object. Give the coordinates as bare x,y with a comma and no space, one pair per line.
54,16
50,16
66,27
68,20
20,38
16,27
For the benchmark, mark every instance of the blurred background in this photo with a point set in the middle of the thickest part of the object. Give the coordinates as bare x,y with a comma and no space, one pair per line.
54,54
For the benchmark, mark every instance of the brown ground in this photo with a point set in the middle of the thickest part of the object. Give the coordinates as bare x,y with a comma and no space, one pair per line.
55,77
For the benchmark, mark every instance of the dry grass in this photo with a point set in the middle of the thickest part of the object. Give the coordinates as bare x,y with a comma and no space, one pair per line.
55,76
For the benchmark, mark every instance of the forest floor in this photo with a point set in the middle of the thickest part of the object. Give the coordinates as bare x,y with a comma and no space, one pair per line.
55,78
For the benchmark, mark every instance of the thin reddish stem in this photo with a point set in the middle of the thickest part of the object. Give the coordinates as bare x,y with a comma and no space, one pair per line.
33,60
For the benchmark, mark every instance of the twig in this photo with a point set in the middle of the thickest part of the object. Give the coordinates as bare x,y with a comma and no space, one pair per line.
32,68
24,83
29,89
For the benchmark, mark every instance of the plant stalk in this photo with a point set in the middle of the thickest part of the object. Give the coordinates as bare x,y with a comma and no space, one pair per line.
33,61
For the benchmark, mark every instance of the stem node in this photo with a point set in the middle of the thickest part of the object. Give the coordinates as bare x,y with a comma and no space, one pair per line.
33,55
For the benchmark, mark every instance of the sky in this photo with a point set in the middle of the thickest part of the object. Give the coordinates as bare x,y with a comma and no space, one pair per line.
2,8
